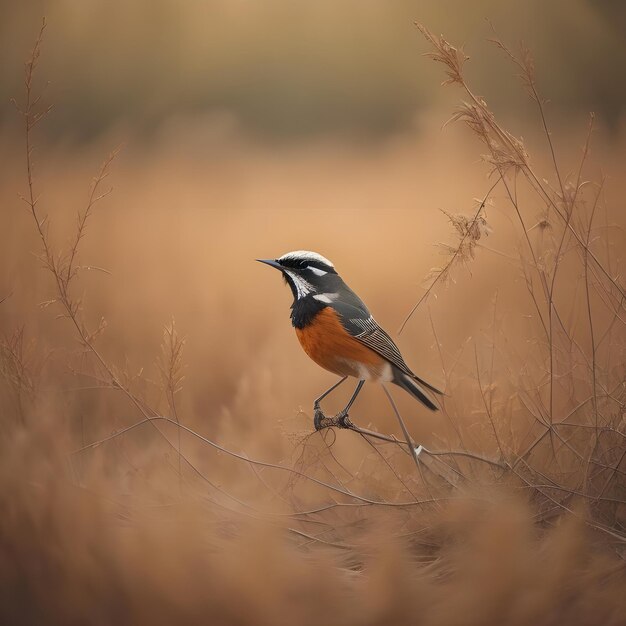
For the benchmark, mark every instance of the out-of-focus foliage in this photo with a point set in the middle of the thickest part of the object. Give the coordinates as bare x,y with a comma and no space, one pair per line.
285,68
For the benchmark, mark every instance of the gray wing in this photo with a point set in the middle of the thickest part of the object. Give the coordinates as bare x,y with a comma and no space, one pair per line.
358,321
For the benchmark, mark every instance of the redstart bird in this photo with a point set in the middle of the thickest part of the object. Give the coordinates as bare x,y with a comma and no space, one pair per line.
338,332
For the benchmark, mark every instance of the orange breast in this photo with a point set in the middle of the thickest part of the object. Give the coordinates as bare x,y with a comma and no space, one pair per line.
328,343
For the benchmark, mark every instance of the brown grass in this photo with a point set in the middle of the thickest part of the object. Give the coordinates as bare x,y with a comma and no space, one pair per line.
184,487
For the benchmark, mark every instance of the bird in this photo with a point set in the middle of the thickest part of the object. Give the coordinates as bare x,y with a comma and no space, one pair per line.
338,332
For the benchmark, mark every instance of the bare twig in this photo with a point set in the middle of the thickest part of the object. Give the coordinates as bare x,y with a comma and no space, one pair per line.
471,227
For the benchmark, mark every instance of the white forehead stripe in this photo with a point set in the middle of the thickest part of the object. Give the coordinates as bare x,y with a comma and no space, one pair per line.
306,255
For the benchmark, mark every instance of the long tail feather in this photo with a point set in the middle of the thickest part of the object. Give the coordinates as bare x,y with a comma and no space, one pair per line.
423,383
414,387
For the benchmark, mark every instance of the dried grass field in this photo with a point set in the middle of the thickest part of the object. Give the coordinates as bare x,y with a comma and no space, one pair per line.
158,462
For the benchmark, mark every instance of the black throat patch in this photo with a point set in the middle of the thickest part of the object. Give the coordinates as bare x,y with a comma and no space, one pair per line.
304,310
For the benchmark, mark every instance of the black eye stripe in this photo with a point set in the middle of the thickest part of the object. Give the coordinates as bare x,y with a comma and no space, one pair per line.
300,264
296,264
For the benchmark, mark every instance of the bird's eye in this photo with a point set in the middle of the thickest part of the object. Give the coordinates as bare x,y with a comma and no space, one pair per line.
302,264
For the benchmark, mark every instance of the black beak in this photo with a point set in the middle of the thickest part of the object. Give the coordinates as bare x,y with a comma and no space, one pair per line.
271,262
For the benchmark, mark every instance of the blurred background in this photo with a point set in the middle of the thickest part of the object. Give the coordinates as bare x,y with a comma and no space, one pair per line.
288,70
248,129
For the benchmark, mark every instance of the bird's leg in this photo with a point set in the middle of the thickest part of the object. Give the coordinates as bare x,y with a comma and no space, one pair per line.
318,414
316,404
342,417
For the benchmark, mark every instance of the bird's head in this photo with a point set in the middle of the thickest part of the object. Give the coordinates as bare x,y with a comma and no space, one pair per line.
307,273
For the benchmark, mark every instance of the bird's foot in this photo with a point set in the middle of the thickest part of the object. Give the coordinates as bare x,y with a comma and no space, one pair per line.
321,421
318,417
343,421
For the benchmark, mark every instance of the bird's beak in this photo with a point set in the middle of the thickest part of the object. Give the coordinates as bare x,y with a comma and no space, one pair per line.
271,262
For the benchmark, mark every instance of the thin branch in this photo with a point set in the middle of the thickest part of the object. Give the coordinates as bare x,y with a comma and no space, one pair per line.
473,222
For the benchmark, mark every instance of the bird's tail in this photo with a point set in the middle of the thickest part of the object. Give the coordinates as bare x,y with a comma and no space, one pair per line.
418,388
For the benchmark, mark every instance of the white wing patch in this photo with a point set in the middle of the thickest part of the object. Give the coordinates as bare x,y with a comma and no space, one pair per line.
328,298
